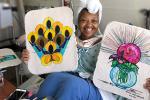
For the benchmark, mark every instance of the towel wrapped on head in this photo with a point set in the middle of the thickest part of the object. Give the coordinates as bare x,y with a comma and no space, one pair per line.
93,7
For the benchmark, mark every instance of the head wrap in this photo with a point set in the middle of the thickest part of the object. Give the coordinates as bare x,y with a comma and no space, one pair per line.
93,7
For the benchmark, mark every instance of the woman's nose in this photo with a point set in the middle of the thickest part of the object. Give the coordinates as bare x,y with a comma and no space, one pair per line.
89,23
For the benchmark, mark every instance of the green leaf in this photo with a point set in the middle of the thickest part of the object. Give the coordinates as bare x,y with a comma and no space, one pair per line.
130,67
114,63
134,68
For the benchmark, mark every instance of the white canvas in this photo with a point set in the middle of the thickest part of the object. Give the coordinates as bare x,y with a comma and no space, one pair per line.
51,48
124,61
8,58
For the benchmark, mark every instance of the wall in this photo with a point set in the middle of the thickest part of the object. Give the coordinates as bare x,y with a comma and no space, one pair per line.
127,11
6,34
43,3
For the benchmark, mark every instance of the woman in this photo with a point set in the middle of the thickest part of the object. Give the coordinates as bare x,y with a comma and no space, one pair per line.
78,85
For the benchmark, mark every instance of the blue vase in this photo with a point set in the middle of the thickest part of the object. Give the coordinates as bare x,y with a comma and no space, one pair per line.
129,79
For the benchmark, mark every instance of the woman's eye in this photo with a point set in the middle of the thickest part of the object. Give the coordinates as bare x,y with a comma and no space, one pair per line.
82,20
94,21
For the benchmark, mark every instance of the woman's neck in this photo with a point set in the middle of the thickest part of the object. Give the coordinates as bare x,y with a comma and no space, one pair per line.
85,38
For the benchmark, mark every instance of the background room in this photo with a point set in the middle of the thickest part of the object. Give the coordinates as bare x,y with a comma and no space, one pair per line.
12,28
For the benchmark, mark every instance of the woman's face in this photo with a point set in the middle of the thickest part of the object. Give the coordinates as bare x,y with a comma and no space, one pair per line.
88,24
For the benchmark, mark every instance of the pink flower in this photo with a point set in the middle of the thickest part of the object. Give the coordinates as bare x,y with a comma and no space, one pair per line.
129,52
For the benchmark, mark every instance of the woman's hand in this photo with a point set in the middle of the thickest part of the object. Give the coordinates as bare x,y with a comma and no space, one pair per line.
25,55
147,84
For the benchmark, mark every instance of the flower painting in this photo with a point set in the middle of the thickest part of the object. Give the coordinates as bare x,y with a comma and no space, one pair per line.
124,60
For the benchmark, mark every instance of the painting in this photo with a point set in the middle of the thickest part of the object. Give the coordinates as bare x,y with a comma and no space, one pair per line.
51,40
7,58
124,60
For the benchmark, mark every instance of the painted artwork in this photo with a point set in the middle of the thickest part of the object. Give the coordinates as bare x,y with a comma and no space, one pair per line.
124,61
7,58
51,40
124,69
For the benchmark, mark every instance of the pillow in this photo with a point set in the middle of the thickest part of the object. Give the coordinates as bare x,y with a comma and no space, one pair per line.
51,40
124,61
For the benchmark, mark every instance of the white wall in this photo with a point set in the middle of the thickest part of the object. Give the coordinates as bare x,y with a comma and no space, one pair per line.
3,0
7,32
127,11
45,3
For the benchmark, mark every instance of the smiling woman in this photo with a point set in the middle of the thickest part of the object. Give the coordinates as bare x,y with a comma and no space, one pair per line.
65,83
80,78
88,24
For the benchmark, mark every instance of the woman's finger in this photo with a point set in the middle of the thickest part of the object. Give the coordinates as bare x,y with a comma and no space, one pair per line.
25,55
147,84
